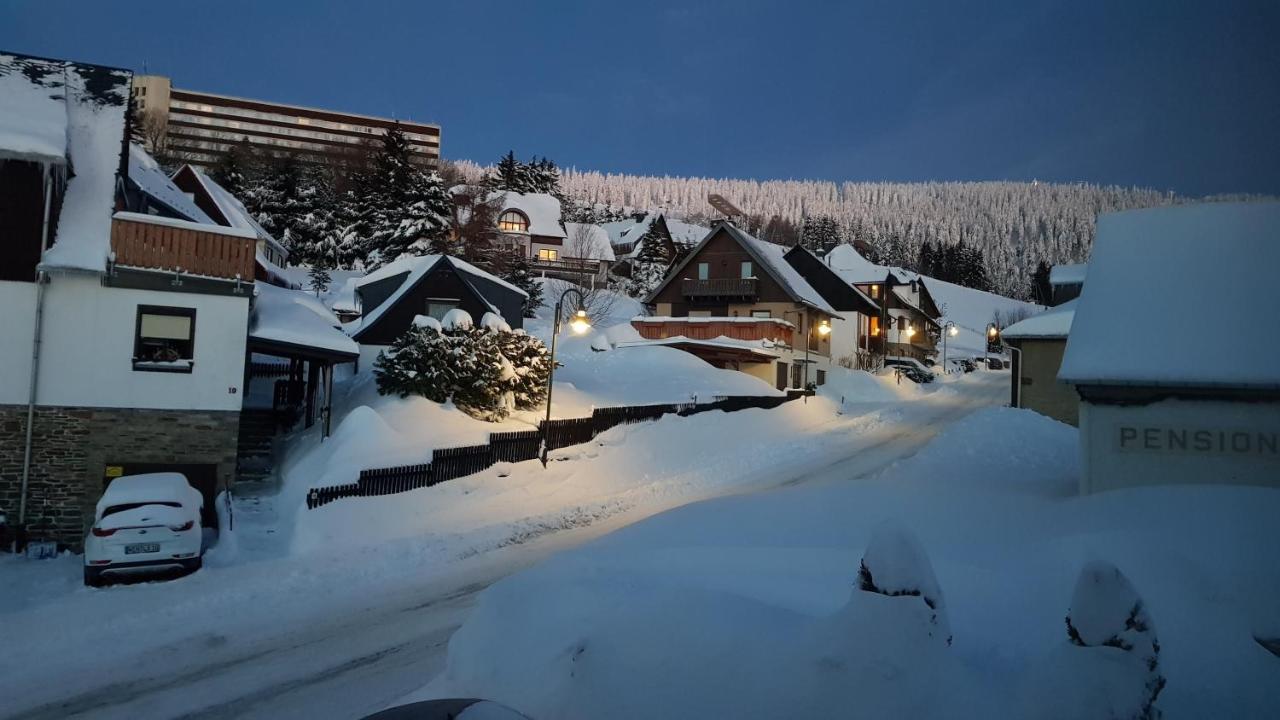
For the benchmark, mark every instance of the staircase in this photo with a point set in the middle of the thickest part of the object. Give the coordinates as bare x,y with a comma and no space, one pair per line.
255,461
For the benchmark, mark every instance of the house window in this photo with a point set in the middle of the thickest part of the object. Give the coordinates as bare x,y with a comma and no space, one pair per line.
164,339
699,313
439,307
704,271
875,292
548,254
761,314
875,326
822,377
513,221
902,323
746,270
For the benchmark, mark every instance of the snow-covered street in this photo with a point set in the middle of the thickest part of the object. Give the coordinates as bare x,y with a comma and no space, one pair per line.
344,632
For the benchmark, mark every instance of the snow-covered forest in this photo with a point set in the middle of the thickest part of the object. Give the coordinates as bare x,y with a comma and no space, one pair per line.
1015,225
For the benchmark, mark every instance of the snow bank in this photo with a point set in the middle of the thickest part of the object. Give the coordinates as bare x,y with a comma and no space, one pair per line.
742,607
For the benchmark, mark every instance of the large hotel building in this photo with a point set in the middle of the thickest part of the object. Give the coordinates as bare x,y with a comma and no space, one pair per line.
199,127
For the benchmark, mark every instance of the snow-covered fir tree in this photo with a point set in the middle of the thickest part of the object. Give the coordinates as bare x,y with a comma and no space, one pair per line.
399,205
649,267
318,279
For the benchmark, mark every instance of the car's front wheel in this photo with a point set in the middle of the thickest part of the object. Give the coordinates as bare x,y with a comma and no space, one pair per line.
93,577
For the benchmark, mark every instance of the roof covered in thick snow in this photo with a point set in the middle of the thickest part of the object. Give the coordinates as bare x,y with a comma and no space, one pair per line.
1052,323
854,268
297,319
414,268
1068,274
146,173
33,116
686,233
587,242
63,113
1153,313
624,232
542,210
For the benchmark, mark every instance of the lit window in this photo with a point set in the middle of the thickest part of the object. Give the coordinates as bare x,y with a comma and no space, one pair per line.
875,291
513,221
304,121
875,326
548,254
164,339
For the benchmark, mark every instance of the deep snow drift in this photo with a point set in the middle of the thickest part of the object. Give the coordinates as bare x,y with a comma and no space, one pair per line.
757,607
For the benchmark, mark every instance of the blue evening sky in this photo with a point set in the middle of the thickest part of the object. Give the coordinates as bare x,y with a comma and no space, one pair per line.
1169,94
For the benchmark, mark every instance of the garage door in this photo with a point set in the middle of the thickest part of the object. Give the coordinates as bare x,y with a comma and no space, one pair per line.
203,477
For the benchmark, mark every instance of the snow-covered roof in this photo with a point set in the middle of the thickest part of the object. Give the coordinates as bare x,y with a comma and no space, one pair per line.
296,317
232,209
1152,314
150,488
685,233
64,113
146,173
791,280
1068,274
542,210
623,232
850,265
33,116
587,242
1052,323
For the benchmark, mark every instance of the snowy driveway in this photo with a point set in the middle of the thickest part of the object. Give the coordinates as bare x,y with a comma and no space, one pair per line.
345,633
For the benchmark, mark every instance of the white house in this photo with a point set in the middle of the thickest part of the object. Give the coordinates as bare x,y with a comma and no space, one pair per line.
124,346
1173,348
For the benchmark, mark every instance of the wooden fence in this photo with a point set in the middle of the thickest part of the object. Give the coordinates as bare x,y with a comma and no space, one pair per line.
518,446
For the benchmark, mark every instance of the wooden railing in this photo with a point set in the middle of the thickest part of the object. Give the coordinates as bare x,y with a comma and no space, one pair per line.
720,287
141,244
702,328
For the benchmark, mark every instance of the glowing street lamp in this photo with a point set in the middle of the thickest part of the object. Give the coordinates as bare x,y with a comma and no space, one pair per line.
950,329
579,325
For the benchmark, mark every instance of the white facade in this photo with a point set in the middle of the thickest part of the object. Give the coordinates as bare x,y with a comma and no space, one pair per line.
845,335
1179,441
86,356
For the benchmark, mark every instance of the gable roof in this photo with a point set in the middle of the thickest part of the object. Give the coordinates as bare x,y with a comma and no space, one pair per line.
1143,321
849,264
68,114
842,295
297,320
415,270
146,174
233,212
769,257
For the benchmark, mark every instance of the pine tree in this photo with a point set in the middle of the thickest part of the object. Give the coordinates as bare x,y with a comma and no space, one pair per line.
649,267
509,174
237,167
1041,290
531,365
399,205
318,279
520,274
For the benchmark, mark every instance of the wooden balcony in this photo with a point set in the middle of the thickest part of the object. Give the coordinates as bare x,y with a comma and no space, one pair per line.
710,328
176,246
724,288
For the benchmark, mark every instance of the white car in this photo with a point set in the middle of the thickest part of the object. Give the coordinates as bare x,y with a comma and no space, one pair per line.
143,523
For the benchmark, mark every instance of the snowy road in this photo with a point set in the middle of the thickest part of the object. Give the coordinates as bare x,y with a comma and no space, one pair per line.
360,642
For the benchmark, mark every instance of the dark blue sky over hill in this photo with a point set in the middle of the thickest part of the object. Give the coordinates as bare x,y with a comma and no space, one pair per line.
1174,95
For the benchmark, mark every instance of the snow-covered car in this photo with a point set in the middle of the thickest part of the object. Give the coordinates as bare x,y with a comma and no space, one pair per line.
144,523
913,369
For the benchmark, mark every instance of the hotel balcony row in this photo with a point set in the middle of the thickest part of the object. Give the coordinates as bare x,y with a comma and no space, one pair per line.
155,243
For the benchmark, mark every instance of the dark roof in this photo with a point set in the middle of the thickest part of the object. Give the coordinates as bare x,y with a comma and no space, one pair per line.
842,295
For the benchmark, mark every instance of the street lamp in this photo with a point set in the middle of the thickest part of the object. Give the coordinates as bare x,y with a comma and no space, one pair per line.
579,325
824,327
948,329
992,332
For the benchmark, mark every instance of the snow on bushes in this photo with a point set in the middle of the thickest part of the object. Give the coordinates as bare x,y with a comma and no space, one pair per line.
896,566
1110,666
486,371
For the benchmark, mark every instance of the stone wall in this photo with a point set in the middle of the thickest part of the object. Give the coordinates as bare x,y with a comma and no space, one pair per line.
71,449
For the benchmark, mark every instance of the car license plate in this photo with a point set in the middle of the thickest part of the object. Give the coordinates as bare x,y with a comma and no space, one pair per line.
139,548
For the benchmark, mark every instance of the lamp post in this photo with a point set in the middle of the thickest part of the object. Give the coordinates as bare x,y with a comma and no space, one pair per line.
948,329
992,332
579,325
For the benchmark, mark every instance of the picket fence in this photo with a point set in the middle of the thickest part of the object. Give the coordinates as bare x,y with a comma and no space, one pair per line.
521,445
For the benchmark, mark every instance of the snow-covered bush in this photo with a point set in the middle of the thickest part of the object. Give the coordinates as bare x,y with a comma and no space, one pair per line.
1110,666
896,566
485,371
